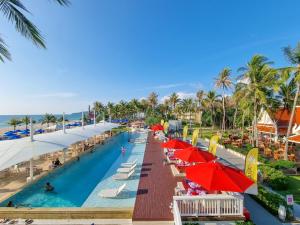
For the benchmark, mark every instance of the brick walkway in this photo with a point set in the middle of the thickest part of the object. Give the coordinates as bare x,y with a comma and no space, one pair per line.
156,186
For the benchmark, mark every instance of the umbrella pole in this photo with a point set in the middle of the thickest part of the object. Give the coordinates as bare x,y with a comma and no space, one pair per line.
82,120
94,117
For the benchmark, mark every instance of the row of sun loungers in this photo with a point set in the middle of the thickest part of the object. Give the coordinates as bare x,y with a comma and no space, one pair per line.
124,173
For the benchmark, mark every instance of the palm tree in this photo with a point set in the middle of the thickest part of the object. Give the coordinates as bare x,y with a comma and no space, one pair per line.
26,121
14,122
287,90
188,106
293,55
13,11
49,118
224,82
173,100
257,83
200,97
210,102
152,100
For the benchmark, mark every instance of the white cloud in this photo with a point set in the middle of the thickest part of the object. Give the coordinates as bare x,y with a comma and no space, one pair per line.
181,95
57,95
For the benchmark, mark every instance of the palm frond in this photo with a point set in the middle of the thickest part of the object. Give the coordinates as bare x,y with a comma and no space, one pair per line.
63,2
4,53
10,9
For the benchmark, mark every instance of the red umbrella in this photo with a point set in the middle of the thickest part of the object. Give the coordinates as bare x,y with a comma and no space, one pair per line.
157,127
194,154
176,144
214,176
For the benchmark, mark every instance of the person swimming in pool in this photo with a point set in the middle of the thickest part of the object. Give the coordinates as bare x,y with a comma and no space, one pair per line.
123,150
49,187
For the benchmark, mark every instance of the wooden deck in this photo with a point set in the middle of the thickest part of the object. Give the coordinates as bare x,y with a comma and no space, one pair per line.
156,186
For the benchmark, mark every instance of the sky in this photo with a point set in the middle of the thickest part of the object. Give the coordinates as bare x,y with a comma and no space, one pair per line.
112,50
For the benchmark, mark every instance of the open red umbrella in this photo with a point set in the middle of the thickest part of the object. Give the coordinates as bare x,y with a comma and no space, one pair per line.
214,176
176,144
157,127
194,154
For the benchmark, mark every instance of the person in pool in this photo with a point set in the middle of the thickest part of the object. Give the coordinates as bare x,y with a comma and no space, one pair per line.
49,187
123,150
10,204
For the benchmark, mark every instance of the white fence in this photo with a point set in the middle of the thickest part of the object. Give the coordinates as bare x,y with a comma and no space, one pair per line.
207,205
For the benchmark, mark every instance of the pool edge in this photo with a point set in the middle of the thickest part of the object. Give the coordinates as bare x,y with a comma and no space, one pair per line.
66,213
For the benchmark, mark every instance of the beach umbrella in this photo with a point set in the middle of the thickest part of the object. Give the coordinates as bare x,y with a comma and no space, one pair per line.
176,144
214,176
157,127
8,133
25,132
194,154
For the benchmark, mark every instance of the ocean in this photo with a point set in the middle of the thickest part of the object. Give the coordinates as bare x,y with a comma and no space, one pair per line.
38,118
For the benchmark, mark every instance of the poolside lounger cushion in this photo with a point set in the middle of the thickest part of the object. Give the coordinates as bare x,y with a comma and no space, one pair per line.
123,176
111,193
126,170
129,164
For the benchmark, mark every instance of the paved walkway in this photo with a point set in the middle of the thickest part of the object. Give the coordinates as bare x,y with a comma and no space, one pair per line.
156,186
259,215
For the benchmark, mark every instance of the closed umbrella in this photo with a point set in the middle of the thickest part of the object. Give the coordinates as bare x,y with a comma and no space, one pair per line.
214,176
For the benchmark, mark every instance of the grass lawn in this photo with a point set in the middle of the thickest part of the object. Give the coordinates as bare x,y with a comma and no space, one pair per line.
293,188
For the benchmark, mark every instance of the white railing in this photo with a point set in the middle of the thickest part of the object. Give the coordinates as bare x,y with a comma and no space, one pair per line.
176,214
209,205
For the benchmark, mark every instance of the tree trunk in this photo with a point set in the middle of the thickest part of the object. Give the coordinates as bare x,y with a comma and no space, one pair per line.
224,113
255,123
212,118
234,118
243,120
291,122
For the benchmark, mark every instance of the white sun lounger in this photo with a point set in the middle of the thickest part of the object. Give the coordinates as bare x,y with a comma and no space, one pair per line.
127,169
129,164
123,176
111,193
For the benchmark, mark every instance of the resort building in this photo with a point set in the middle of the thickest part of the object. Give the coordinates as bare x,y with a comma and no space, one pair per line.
276,123
195,117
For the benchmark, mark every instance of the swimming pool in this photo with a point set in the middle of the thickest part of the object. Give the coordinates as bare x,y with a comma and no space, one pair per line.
78,183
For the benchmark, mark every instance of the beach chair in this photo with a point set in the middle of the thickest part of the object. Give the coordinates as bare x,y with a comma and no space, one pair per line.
129,164
112,193
126,169
123,176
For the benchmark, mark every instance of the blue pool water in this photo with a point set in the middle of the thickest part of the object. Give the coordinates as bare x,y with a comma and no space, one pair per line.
77,184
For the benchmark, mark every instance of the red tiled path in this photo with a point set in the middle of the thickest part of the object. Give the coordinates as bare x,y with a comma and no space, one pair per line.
156,186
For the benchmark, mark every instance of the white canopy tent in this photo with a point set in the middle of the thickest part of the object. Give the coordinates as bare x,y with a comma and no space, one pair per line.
16,151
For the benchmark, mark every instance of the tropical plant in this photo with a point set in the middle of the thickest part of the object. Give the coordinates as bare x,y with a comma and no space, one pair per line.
223,81
173,100
152,100
188,106
257,83
13,11
26,121
48,118
210,102
293,55
14,122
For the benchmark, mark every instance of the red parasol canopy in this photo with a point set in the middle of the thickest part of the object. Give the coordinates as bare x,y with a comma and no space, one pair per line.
214,176
194,154
157,127
176,144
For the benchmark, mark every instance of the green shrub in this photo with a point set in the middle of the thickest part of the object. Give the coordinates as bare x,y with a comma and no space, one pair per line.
274,178
282,164
244,223
272,201
152,120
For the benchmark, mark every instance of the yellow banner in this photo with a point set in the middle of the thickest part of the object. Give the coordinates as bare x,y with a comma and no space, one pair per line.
185,132
214,140
162,122
195,137
166,127
251,164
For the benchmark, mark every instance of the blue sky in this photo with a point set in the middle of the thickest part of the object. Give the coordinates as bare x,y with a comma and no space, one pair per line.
110,50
